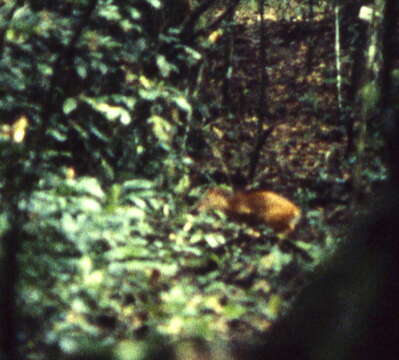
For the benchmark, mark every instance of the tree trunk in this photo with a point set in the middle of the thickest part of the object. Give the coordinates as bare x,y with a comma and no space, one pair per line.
370,94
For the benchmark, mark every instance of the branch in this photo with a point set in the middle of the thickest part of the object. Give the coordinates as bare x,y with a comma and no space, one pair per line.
214,25
262,111
68,50
255,155
190,23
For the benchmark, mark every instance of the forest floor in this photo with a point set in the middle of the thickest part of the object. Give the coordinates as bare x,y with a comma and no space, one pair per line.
303,159
305,156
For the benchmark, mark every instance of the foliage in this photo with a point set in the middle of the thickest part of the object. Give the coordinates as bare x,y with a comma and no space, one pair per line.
82,79
104,265
98,96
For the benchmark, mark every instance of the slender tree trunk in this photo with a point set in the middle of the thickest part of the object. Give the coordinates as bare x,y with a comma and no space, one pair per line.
263,110
370,94
388,99
338,54
310,50
229,64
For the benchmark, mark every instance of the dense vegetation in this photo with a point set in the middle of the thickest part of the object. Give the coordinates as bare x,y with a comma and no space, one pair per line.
117,115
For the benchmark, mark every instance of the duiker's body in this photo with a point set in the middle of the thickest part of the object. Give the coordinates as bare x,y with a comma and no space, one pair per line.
254,207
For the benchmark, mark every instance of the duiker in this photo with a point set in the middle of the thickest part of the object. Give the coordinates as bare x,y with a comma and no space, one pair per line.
254,207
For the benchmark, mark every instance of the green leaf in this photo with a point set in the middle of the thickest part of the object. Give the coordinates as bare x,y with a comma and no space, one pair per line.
137,184
129,251
70,105
57,135
155,3
139,202
110,12
304,245
89,186
88,204
165,66
163,130
111,112
183,104
68,224
234,311
196,55
149,95
82,71
135,14
45,69
125,118
215,240
183,184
